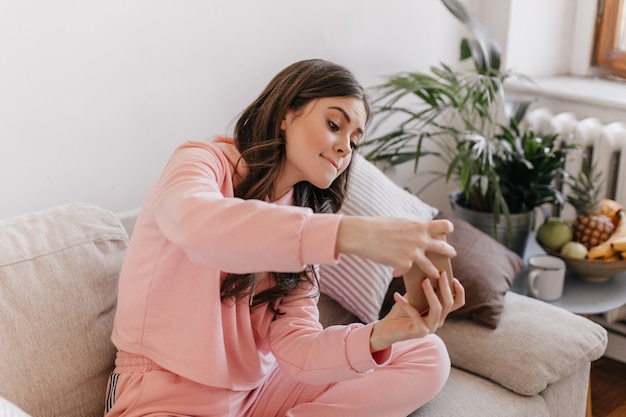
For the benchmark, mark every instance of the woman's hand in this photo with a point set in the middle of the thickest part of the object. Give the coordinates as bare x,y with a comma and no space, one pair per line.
394,241
405,322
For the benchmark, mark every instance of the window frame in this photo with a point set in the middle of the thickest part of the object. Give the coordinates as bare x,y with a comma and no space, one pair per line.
607,58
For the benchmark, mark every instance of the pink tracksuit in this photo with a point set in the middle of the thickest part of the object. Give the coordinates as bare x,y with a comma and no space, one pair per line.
184,352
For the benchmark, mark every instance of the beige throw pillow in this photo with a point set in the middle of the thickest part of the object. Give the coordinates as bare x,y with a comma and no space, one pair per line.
58,280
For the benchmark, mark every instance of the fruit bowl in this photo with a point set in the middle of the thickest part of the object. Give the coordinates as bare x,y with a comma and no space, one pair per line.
592,270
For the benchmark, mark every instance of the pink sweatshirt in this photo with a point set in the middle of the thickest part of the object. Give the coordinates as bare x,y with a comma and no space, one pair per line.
191,231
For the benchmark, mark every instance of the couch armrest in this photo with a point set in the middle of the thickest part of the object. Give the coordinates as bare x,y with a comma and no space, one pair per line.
535,344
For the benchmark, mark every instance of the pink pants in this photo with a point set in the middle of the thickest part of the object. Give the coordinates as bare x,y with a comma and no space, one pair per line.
416,372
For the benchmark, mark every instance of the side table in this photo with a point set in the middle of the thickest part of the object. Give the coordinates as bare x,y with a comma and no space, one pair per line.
579,296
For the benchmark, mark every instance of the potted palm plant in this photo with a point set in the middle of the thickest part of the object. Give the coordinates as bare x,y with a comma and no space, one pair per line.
462,118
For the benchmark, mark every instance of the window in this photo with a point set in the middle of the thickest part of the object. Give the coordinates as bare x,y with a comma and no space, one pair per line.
609,52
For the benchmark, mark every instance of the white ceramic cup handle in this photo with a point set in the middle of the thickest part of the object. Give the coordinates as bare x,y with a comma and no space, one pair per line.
532,277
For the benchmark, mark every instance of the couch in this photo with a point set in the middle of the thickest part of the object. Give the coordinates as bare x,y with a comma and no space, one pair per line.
58,274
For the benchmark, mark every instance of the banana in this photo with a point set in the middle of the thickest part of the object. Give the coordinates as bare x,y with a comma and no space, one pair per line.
619,244
613,258
604,250
600,252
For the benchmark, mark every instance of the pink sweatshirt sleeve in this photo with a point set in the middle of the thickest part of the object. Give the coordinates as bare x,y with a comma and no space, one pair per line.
194,208
315,355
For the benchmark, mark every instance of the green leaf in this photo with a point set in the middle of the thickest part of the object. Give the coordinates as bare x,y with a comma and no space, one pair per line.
471,48
489,47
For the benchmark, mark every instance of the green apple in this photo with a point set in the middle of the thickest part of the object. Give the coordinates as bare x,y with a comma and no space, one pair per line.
574,250
554,233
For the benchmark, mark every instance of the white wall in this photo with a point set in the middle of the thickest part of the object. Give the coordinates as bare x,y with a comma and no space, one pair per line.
542,37
94,95
536,45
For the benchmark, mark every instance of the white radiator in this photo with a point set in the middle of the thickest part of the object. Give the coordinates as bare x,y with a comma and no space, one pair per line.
605,143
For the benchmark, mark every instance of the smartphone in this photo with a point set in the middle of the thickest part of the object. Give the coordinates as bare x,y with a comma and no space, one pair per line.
413,281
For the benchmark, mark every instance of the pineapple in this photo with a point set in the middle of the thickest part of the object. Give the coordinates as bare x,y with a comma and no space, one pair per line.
590,227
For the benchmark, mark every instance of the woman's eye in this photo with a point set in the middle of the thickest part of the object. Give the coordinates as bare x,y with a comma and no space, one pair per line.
333,126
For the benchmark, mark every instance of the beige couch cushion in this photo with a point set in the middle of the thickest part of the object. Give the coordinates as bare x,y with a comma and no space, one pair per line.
466,394
535,344
57,313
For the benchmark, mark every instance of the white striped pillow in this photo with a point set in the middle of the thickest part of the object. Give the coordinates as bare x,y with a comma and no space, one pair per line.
8,409
360,285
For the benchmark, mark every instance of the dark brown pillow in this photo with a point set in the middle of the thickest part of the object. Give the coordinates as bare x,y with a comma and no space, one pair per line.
486,269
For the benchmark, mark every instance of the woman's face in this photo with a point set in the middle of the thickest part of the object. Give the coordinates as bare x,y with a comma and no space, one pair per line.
319,141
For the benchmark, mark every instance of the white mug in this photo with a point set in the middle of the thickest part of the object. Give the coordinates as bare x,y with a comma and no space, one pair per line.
546,277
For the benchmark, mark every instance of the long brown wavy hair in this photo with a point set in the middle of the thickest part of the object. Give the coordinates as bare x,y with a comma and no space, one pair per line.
262,145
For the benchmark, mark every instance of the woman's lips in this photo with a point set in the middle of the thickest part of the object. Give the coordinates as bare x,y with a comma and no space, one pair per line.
330,161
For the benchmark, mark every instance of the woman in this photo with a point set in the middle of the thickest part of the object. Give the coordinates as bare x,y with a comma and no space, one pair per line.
217,312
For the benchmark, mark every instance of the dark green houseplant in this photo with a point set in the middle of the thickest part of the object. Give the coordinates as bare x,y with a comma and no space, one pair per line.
461,118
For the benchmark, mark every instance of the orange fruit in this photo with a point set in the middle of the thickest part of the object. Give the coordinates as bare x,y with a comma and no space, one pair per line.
610,208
